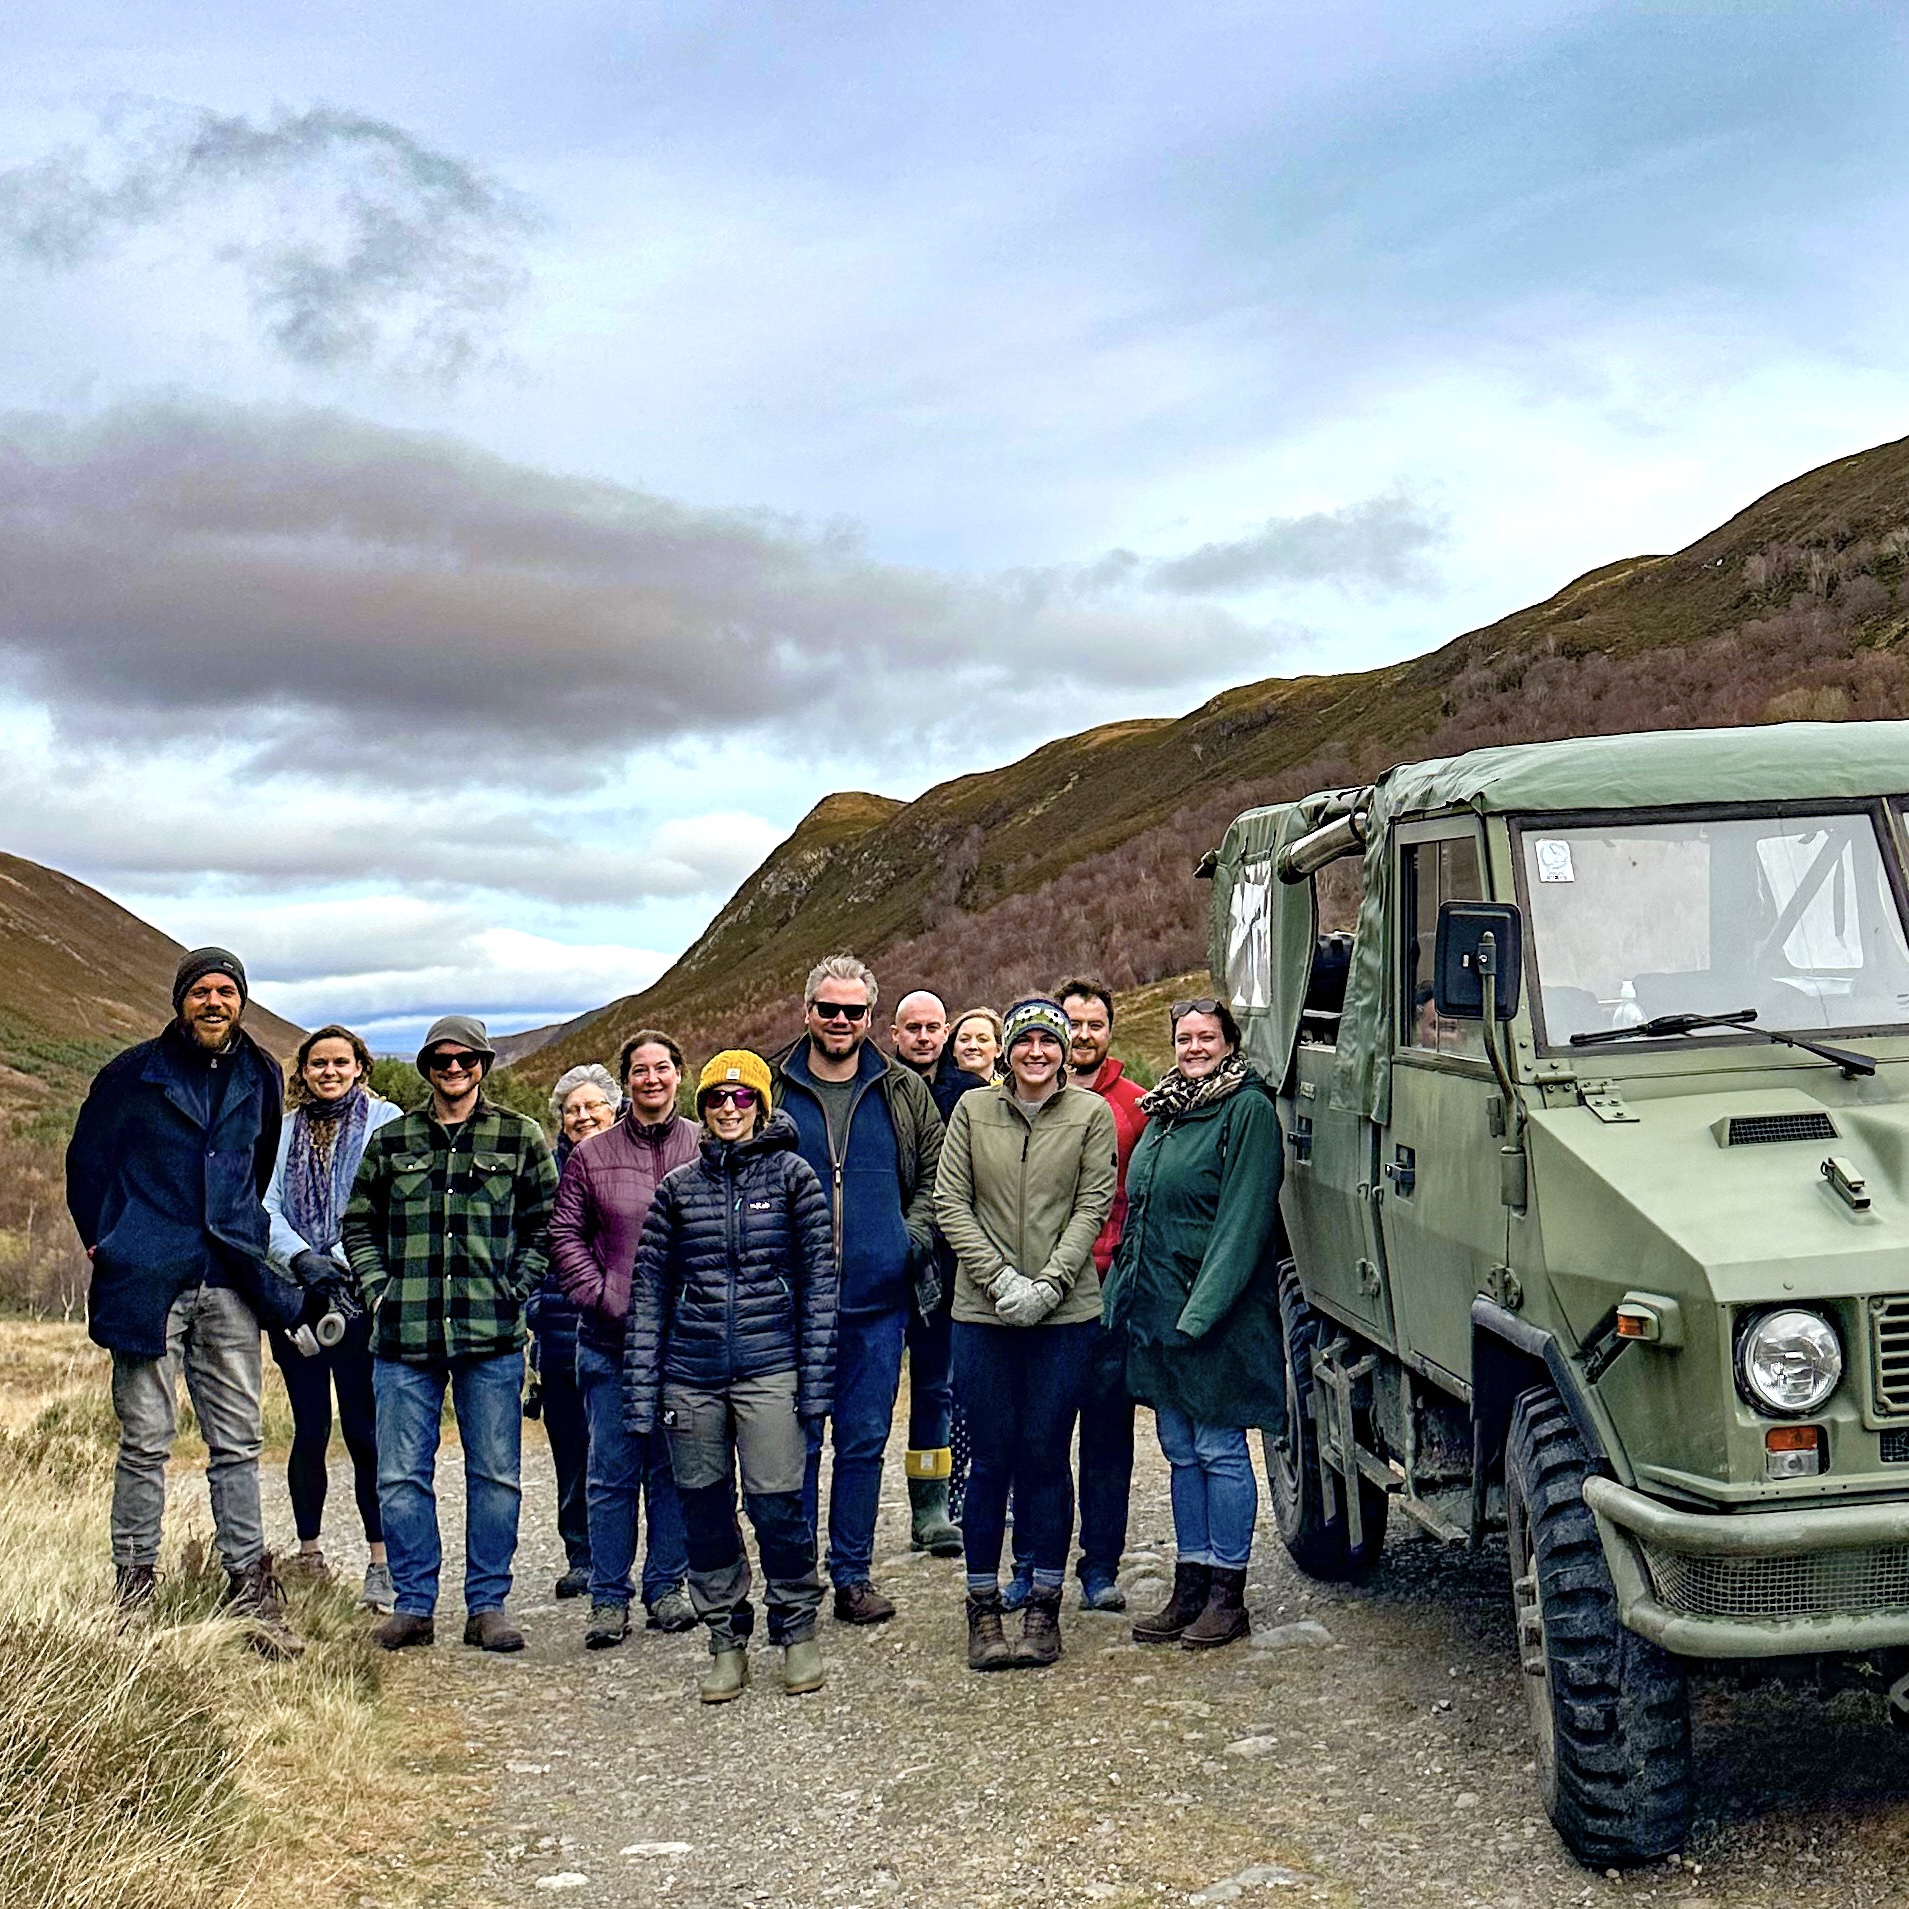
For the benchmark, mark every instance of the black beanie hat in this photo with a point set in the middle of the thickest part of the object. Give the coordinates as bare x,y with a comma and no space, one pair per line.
202,962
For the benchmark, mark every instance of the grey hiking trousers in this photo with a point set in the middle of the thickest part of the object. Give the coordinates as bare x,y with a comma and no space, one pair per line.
212,1336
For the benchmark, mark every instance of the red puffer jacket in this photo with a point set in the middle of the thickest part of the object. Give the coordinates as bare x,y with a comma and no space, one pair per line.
608,1184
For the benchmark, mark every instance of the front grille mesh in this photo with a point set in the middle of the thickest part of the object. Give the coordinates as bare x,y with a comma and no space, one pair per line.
1824,1584
1889,1356
1750,1130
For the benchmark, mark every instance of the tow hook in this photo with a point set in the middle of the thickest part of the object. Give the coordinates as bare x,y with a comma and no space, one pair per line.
1899,1702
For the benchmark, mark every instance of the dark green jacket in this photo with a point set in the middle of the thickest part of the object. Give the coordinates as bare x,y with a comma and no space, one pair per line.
447,1233
1194,1284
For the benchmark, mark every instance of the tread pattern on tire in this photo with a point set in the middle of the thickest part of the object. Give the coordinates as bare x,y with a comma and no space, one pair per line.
1619,1792
1315,1543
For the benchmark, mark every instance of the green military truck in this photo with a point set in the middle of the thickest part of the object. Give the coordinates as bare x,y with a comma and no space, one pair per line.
1596,1210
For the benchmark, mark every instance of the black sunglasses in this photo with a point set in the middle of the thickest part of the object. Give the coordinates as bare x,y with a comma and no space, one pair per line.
1204,1005
840,1010
438,1062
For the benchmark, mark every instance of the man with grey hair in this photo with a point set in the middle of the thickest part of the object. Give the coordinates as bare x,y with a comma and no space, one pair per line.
869,1128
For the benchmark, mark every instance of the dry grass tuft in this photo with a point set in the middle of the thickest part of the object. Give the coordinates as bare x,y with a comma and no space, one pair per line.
166,1766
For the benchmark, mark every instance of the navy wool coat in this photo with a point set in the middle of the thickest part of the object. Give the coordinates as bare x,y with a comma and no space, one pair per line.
165,1197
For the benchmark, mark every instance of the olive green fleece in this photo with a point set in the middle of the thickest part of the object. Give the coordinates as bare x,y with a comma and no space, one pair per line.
1028,1194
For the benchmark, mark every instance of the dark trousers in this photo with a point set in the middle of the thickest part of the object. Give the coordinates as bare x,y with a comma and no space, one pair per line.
1021,1388
1106,1464
568,1428
930,1379
868,1348
309,1384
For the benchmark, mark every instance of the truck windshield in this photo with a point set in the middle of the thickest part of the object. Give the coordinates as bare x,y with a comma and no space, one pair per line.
1794,916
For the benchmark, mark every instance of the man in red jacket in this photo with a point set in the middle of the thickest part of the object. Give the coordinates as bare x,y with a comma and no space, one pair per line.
603,1200
1106,1418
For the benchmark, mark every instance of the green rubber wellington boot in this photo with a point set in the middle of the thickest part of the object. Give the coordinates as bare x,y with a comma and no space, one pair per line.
932,1530
802,1667
726,1678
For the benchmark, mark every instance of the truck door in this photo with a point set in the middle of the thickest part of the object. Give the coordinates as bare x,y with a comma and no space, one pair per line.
1441,1216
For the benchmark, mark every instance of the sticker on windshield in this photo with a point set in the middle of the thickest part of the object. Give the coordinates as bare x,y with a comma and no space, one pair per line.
1554,862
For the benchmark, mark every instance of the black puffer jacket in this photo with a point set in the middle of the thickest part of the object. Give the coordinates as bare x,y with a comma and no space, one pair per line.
734,1277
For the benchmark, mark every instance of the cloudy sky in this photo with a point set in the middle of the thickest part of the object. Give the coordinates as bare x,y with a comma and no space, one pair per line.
471,477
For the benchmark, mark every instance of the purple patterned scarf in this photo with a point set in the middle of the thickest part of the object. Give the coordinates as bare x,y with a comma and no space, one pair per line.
328,1141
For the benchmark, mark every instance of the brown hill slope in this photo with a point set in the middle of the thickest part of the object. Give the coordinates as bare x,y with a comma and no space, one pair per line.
1080,855
80,978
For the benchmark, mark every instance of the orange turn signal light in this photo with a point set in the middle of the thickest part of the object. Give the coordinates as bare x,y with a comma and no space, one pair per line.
1634,1325
1793,1438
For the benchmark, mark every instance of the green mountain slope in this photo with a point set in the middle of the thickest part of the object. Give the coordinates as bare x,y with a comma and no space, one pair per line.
80,978
1079,856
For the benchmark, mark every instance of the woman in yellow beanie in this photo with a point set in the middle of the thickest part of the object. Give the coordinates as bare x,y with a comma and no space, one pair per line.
731,1349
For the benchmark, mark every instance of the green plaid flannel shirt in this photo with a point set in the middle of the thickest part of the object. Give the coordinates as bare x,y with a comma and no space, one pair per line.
447,1233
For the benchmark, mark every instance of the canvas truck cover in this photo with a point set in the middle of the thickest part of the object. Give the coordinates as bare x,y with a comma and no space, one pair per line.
1783,762
1261,930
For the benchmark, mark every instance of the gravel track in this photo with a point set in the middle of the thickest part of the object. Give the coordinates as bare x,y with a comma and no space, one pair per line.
1369,1747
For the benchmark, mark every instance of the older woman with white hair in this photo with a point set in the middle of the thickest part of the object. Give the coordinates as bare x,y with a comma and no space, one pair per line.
584,1101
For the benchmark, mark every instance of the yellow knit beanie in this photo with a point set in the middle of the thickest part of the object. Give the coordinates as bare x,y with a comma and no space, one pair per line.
737,1067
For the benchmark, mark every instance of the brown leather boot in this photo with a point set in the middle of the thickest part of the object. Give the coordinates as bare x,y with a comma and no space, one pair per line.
862,1604
492,1630
1191,1582
402,1629
1040,1641
988,1647
1224,1620
254,1596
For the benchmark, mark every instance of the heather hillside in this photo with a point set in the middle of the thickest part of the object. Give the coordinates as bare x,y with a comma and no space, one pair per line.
1081,854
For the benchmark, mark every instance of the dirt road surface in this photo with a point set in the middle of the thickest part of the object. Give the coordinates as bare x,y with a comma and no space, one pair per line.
1369,1747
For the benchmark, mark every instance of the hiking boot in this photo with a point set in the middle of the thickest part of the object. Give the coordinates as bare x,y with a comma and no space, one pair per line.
1019,1585
672,1612
135,1589
1191,1583
862,1604
575,1582
402,1629
308,1567
931,1529
1040,1641
988,1647
609,1625
492,1630
802,1667
1224,1619
378,1594
1099,1592
726,1678
254,1597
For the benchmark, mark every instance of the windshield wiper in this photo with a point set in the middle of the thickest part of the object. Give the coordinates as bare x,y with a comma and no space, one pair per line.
1665,1025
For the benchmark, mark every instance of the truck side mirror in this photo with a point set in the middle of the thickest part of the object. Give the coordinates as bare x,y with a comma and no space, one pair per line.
1476,938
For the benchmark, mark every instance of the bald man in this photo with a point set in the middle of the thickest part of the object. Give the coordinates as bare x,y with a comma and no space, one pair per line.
919,1035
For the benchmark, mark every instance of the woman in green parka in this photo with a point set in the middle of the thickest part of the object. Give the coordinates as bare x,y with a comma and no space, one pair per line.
1194,1287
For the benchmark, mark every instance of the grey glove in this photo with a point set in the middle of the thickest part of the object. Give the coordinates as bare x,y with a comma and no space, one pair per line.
1002,1282
305,1340
1027,1301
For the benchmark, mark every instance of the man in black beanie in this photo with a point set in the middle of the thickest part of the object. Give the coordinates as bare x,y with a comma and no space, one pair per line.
165,1178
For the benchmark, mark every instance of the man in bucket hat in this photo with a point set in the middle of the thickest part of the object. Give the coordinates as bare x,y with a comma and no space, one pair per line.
446,1233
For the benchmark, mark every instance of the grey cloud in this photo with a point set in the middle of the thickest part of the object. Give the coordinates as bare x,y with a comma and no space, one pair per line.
377,250
168,568
1381,542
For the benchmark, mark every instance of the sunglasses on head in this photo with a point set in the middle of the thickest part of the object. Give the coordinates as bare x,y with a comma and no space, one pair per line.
1204,1005
840,1010
742,1098
438,1062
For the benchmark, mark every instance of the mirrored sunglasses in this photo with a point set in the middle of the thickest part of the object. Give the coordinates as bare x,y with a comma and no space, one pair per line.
741,1097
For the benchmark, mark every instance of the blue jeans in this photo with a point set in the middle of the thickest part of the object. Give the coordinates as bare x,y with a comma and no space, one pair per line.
487,1397
867,1376
623,1470
1215,1494
1020,1388
1106,1464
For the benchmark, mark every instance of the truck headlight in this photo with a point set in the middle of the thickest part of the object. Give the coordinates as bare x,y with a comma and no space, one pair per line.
1788,1362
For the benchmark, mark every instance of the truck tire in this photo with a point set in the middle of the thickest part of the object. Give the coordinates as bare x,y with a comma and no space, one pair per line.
1316,1543
1611,1711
